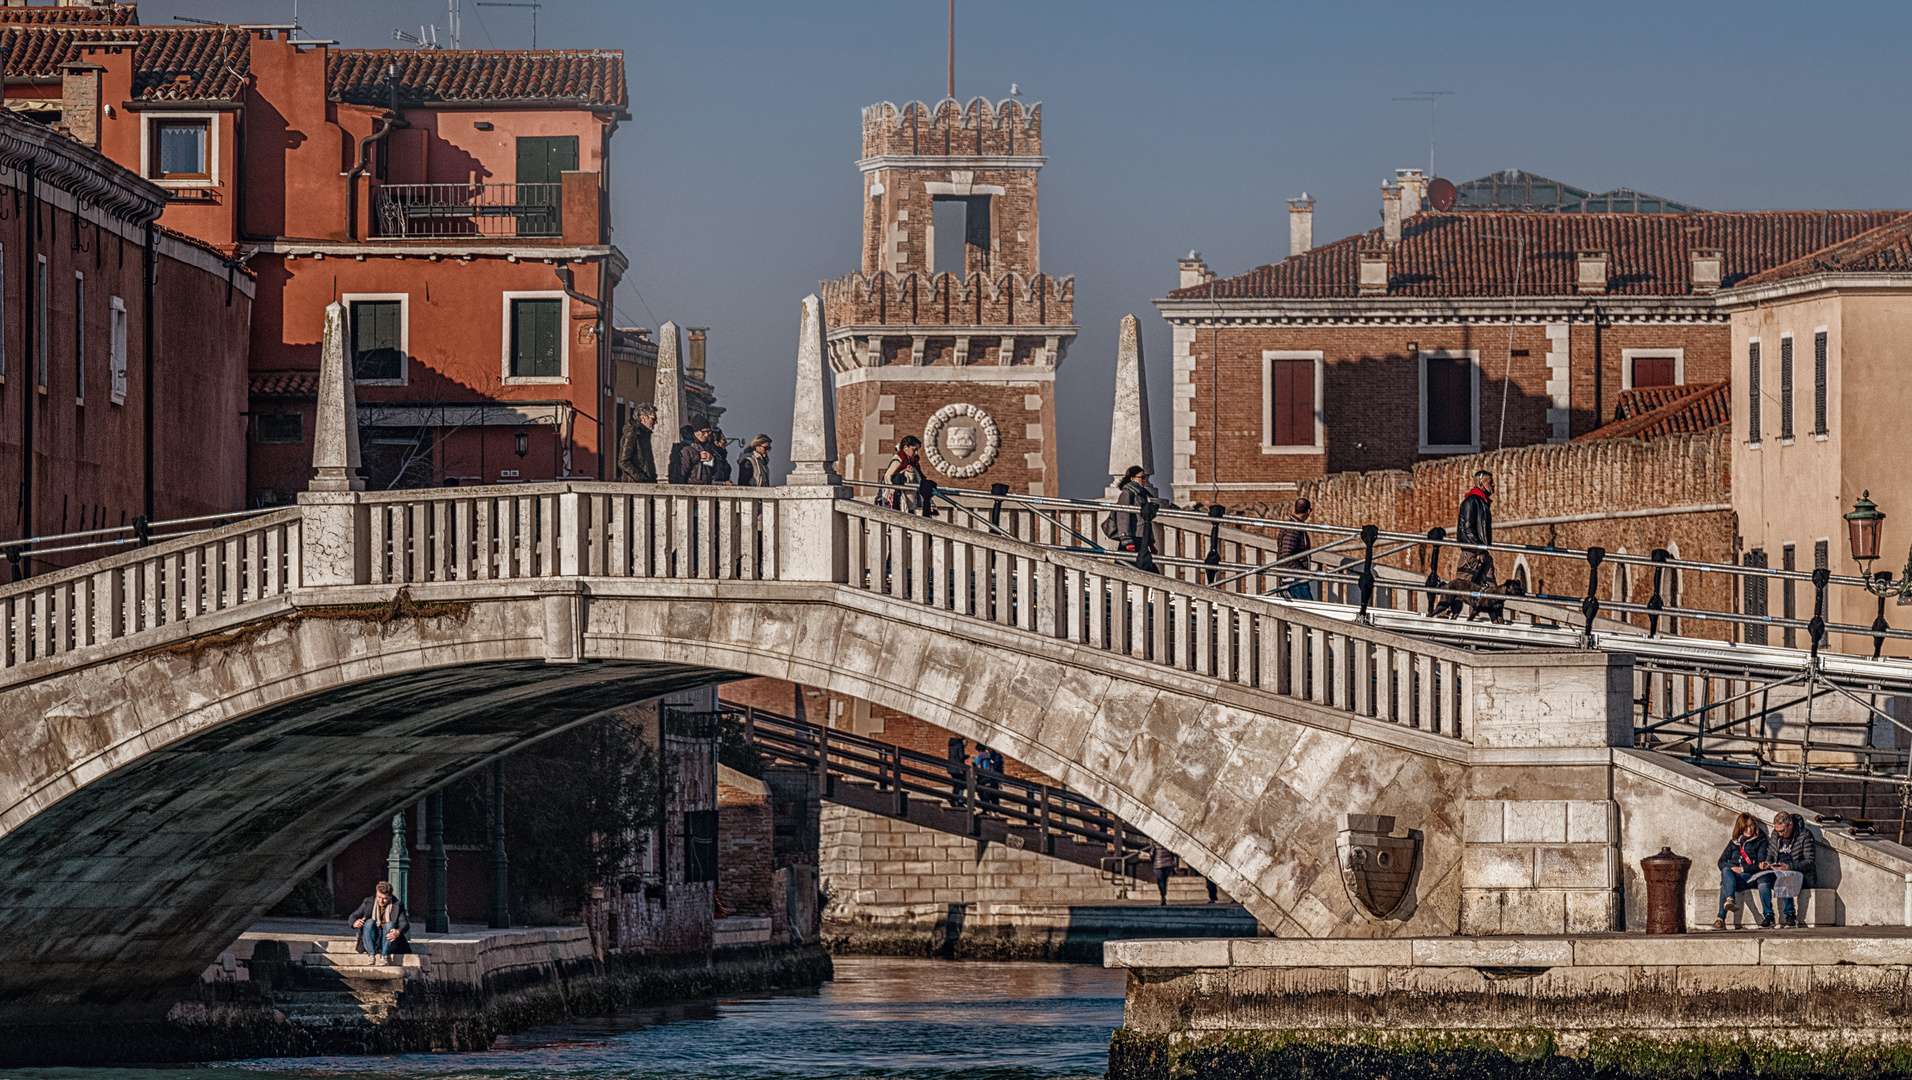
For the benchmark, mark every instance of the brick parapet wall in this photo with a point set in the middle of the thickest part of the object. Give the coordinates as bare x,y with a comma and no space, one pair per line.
917,299
1602,476
1005,128
745,870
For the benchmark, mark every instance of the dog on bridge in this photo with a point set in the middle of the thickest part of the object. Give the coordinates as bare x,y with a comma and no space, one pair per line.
1449,607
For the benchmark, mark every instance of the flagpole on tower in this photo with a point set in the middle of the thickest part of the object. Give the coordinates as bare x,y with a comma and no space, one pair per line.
952,50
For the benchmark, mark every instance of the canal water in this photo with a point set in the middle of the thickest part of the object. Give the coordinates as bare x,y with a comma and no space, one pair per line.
881,1018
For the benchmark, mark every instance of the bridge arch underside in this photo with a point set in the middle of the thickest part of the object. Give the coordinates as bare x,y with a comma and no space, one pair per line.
155,804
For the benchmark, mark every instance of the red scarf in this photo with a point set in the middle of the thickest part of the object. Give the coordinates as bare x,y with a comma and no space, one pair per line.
1484,496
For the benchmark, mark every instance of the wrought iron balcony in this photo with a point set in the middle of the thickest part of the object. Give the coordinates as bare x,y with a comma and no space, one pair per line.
430,211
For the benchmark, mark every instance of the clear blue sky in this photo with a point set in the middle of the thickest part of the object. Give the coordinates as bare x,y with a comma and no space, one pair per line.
1170,126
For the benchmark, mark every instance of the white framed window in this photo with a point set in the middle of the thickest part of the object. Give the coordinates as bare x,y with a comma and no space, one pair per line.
79,337
1643,368
1291,401
180,149
40,321
1450,401
116,354
379,330
537,341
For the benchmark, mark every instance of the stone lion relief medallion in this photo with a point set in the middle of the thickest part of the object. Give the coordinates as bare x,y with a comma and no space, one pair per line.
961,441
1378,868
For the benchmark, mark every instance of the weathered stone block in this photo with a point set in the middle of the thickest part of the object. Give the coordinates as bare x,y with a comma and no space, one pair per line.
1502,866
1286,952
1574,866
1167,953
1590,822
1484,821
1490,952
1538,822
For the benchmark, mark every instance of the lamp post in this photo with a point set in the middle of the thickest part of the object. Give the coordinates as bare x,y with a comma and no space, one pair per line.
521,443
1863,527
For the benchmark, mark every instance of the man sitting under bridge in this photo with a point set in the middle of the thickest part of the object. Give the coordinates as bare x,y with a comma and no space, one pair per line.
381,923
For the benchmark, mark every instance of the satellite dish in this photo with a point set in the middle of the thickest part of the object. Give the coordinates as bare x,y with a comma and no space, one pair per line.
1441,194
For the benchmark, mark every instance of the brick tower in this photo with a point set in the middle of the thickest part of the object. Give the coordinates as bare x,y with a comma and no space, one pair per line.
965,358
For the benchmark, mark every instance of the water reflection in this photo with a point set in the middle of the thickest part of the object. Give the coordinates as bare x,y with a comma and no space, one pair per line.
881,1018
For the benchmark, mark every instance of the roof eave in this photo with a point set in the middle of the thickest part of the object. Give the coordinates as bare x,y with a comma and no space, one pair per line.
1826,280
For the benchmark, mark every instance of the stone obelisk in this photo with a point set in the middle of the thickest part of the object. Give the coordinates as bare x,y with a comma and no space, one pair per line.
669,393
812,423
1129,442
335,437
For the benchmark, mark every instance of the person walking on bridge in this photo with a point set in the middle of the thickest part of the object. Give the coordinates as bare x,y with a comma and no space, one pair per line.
753,468
1164,862
1291,549
381,923
1475,528
640,463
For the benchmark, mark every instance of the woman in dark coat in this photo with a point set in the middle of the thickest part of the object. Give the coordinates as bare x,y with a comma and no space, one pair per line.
1745,855
381,923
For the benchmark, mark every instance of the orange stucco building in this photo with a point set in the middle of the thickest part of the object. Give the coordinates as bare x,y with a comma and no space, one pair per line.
454,201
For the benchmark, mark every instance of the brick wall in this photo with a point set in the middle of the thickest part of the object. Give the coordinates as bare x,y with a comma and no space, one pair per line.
1537,483
1371,392
745,872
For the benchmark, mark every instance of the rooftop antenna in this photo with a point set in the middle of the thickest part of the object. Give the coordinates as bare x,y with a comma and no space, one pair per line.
427,37
534,16
1433,99
454,20
198,22
952,50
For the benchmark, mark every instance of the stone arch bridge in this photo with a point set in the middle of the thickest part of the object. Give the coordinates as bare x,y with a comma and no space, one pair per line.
194,726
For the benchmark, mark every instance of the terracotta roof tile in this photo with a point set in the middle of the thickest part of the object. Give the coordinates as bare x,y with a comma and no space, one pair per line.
1492,254
169,64
591,77
1884,250
212,62
104,15
1667,410
300,384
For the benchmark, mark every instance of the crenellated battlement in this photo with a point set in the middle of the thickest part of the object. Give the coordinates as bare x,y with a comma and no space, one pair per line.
920,299
951,128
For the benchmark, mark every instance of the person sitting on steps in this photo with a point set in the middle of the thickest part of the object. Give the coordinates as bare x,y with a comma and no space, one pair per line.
381,923
1745,855
1792,848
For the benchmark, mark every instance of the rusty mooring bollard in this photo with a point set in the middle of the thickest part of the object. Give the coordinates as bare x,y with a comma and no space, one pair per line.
1665,891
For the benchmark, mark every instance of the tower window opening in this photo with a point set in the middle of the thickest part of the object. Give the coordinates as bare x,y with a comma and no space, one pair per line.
961,223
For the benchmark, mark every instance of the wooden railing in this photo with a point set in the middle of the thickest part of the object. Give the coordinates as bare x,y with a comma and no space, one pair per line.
1052,812
158,586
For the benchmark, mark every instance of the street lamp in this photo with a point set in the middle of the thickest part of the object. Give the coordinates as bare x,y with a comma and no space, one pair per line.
1864,525
521,443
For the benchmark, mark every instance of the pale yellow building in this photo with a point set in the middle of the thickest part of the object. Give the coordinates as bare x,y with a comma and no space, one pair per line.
1821,413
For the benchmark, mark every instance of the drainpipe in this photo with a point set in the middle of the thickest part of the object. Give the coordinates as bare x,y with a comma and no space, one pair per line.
29,385
149,282
564,275
388,123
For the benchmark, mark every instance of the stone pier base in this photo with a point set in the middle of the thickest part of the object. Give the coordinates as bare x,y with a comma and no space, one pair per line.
1802,1003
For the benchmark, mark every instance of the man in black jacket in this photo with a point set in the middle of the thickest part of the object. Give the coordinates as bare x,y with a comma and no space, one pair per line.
1792,847
381,923
1475,527
640,463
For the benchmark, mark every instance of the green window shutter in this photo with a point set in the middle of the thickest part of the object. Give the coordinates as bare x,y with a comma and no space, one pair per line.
537,342
378,339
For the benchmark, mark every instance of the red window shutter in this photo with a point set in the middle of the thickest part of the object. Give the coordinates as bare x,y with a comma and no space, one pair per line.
1652,371
1293,404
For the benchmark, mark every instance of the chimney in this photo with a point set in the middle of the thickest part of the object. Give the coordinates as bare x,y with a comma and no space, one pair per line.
1391,213
1374,271
694,359
80,101
1590,277
1300,225
1413,187
1194,270
1709,266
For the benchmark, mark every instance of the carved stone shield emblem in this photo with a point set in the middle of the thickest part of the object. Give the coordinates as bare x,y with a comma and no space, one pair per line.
1379,868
